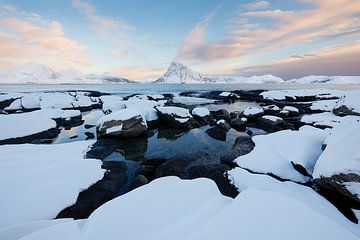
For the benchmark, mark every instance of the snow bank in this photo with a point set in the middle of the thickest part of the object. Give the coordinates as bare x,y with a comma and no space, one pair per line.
183,209
25,124
342,153
328,119
274,153
283,94
326,79
351,100
38,181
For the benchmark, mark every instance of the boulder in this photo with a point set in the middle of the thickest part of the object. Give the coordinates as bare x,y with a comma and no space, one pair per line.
176,117
292,111
271,109
253,112
222,114
270,123
125,123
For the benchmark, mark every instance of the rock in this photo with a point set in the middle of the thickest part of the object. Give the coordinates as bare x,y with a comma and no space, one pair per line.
176,117
125,123
147,171
242,146
139,181
154,162
89,135
216,172
337,171
177,166
201,114
348,104
253,112
87,126
270,123
217,132
222,114
271,109
293,111
238,124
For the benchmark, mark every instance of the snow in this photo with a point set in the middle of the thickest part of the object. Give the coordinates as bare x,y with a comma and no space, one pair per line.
225,94
179,73
112,103
251,111
282,94
324,105
121,115
177,112
146,107
290,109
40,74
243,180
194,210
353,187
326,79
38,181
271,107
274,153
272,118
328,119
192,100
25,124
200,112
342,153
351,100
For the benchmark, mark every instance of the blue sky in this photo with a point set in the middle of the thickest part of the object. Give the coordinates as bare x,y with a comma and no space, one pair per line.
138,39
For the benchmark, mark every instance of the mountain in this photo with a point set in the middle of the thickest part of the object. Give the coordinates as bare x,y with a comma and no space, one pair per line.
320,79
179,73
40,74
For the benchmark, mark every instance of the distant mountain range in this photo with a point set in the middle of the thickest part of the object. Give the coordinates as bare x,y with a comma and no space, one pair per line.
176,73
41,74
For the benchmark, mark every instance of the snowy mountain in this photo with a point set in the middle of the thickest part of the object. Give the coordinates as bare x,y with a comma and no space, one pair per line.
319,79
179,73
41,74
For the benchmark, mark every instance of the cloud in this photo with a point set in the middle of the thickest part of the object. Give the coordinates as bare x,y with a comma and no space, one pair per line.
146,72
111,29
256,5
28,37
336,60
246,36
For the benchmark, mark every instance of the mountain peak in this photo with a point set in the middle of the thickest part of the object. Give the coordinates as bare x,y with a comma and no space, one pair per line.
180,73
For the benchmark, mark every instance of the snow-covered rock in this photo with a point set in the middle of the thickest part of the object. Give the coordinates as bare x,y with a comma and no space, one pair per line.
338,167
176,117
14,127
291,111
302,94
287,154
243,180
328,119
270,122
200,112
200,212
253,112
38,181
179,73
112,103
349,104
124,123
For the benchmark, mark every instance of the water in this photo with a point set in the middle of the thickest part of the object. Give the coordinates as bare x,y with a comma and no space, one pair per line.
126,89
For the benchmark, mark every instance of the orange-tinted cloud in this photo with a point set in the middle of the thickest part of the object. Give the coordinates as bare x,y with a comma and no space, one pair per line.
325,19
27,37
337,60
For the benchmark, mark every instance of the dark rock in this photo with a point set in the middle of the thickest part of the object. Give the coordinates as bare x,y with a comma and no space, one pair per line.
216,172
271,109
238,124
87,126
147,171
45,136
97,194
343,110
172,117
153,162
139,181
217,133
134,126
89,135
242,146
270,123
221,114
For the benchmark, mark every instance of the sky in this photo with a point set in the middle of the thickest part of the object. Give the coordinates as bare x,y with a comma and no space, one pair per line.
139,39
